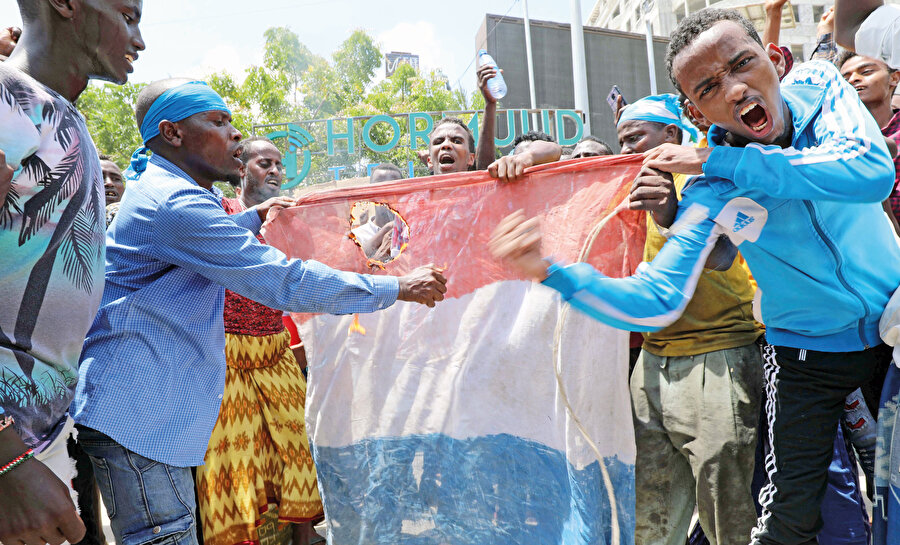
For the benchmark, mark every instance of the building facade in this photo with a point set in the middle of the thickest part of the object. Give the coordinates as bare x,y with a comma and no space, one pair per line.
798,29
611,57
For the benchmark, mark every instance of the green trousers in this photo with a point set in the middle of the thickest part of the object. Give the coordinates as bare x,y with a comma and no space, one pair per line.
695,422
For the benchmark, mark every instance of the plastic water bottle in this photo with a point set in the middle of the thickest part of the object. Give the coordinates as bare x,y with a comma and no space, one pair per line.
496,85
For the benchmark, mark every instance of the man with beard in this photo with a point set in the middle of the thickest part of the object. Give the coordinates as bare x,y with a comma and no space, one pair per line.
51,239
238,479
152,368
826,262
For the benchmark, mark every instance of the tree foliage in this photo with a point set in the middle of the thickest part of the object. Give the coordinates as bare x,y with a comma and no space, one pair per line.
109,112
295,84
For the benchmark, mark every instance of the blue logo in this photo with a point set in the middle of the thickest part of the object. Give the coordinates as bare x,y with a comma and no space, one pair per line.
298,139
742,220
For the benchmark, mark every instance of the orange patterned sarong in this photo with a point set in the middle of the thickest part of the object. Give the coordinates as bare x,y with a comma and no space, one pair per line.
258,459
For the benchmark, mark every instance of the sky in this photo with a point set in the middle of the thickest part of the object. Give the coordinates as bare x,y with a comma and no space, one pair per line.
197,37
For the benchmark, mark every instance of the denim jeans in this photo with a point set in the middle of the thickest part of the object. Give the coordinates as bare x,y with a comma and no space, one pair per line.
147,501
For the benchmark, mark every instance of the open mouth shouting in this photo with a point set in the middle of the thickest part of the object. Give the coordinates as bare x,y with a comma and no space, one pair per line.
446,159
274,182
238,151
755,118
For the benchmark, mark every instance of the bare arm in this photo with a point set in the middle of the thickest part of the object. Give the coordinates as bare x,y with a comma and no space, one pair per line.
484,155
772,30
35,505
848,16
512,167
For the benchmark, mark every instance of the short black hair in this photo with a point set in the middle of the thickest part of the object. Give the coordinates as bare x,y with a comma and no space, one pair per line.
461,123
104,157
696,24
245,152
532,136
391,167
592,138
843,56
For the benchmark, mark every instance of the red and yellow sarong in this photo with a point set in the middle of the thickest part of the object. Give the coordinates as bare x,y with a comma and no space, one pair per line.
258,459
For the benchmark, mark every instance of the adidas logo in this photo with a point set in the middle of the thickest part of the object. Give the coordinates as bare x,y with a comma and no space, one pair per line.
742,220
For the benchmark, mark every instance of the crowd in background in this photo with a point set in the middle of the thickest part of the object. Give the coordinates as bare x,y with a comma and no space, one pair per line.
763,391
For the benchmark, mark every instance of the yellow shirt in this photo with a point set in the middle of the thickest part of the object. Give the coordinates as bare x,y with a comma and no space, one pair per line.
719,316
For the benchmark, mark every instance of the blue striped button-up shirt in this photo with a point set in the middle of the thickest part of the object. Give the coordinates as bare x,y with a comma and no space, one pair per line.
153,365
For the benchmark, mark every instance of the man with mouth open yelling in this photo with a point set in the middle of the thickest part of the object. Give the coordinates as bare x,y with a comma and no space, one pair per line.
795,175
152,367
452,147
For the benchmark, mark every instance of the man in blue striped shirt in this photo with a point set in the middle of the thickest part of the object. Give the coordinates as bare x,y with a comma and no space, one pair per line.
153,365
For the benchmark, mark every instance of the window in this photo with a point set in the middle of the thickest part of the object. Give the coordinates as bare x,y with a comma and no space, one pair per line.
616,12
817,13
796,13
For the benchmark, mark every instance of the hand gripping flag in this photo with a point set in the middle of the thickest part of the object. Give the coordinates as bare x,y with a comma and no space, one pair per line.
497,417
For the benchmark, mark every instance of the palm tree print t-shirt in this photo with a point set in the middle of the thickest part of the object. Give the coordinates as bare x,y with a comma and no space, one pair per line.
52,248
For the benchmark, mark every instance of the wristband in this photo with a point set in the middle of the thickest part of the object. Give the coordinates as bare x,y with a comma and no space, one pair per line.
16,461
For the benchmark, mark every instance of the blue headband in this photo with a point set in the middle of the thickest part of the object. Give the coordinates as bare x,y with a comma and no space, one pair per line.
665,109
176,104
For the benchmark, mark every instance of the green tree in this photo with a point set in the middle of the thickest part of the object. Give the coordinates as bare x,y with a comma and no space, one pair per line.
109,112
285,54
321,90
355,62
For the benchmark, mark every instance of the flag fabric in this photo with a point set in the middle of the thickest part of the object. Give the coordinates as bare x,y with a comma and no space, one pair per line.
497,417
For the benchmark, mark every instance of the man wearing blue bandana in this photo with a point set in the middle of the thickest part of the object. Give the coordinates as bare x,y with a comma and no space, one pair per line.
153,364
652,121
697,384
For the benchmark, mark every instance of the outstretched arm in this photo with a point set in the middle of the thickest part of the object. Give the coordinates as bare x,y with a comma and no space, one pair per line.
511,167
193,232
654,297
484,155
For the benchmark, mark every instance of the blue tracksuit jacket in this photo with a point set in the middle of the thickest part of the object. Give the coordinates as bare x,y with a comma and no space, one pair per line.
808,219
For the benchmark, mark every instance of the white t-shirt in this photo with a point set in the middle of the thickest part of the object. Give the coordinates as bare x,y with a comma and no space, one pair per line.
879,35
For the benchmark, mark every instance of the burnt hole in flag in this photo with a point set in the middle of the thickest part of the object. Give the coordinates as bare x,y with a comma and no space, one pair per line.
380,232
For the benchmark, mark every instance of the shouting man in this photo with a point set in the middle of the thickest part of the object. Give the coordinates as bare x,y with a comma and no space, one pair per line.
826,261
152,369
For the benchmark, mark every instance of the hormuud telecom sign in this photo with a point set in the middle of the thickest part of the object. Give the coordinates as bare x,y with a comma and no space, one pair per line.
350,134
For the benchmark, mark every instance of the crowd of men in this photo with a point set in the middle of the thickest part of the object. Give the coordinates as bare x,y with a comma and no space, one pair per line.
766,300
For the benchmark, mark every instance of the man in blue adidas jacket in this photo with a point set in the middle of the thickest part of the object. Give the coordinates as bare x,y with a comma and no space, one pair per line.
795,176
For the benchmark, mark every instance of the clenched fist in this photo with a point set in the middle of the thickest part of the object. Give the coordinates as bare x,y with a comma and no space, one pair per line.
425,285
